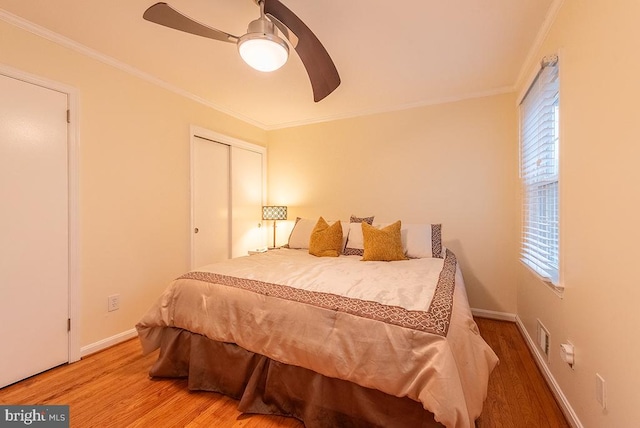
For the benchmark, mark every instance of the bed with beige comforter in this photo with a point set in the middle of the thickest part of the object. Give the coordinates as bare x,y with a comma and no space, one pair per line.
399,330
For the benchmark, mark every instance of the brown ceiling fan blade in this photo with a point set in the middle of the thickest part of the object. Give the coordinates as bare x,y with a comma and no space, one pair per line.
163,14
320,67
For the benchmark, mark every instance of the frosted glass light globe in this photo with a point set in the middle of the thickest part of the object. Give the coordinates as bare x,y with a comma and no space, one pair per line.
263,52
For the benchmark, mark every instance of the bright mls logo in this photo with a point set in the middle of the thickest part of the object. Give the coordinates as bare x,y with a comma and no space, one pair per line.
36,416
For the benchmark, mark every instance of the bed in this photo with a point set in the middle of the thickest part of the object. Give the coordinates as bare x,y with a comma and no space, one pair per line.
332,341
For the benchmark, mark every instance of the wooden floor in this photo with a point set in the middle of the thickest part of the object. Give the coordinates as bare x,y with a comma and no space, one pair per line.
112,389
518,395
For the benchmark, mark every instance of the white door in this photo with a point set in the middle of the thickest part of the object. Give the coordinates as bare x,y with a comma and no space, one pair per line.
227,179
210,202
34,230
246,198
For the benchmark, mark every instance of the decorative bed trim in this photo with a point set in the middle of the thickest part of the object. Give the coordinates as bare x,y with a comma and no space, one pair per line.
436,240
442,303
436,320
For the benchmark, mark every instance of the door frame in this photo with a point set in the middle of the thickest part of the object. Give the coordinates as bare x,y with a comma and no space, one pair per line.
216,137
73,152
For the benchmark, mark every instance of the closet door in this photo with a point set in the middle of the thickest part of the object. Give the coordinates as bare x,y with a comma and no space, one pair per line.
210,202
227,179
246,201
34,230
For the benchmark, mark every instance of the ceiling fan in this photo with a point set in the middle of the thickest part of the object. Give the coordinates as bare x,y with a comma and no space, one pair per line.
261,47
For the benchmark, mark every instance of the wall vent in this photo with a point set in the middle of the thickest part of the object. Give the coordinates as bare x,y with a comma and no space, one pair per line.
544,339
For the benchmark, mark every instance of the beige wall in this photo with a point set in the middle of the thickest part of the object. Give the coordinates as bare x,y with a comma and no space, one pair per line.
454,163
598,42
134,178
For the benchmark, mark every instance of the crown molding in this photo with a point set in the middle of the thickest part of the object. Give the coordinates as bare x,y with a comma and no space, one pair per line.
525,69
66,42
98,56
390,109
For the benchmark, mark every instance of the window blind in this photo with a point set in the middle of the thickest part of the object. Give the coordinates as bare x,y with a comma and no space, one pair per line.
539,139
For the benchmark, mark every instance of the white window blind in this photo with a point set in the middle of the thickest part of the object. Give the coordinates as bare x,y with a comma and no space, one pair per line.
539,139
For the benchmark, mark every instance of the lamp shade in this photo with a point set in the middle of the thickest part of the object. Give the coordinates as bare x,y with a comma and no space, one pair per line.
274,212
263,52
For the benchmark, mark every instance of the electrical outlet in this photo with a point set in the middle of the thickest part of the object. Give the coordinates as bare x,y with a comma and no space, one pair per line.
113,303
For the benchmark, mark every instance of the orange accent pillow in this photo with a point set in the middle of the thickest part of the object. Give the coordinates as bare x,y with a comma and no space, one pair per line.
326,241
383,244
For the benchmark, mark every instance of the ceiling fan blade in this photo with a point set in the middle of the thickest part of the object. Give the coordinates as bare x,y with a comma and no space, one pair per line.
163,14
319,65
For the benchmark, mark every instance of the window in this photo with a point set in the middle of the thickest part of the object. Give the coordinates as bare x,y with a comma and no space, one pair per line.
539,140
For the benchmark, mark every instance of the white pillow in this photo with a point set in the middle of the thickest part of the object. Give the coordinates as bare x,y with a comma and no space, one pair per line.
356,239
345,233
422,240
301,233
355,242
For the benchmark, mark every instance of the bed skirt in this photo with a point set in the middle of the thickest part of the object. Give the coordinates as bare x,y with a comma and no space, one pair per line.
265,386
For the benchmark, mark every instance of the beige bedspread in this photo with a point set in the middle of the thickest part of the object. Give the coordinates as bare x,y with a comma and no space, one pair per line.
404,328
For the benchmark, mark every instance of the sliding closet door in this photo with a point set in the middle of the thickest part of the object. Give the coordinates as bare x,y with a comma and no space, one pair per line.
34,230
210,202
227,179
246,200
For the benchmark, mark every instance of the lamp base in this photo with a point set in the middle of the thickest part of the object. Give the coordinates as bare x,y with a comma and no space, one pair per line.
258,251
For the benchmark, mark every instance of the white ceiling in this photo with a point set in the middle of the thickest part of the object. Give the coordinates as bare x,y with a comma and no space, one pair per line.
390,55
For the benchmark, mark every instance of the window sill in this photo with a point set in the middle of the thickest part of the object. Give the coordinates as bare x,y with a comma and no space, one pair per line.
558,290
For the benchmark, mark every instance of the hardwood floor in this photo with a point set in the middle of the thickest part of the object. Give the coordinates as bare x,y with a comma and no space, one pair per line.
518,395
112,389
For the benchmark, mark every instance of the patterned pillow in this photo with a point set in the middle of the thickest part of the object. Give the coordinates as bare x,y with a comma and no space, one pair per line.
355,219
326,241
355,244
383,244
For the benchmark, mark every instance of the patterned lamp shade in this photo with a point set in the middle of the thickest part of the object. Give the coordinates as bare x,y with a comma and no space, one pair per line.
271,212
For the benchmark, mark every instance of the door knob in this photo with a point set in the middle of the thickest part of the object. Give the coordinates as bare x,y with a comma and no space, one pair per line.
195,230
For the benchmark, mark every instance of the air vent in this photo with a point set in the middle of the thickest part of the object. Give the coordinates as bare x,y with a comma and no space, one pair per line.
544,339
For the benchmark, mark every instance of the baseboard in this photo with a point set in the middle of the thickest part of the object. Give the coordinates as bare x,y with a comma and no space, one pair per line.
568,411
494,315
108,342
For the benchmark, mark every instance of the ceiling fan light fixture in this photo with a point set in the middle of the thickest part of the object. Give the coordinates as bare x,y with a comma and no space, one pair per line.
261,47
263,52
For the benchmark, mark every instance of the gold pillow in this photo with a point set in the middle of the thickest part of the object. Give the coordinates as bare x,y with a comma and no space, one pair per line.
382,244
326,241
